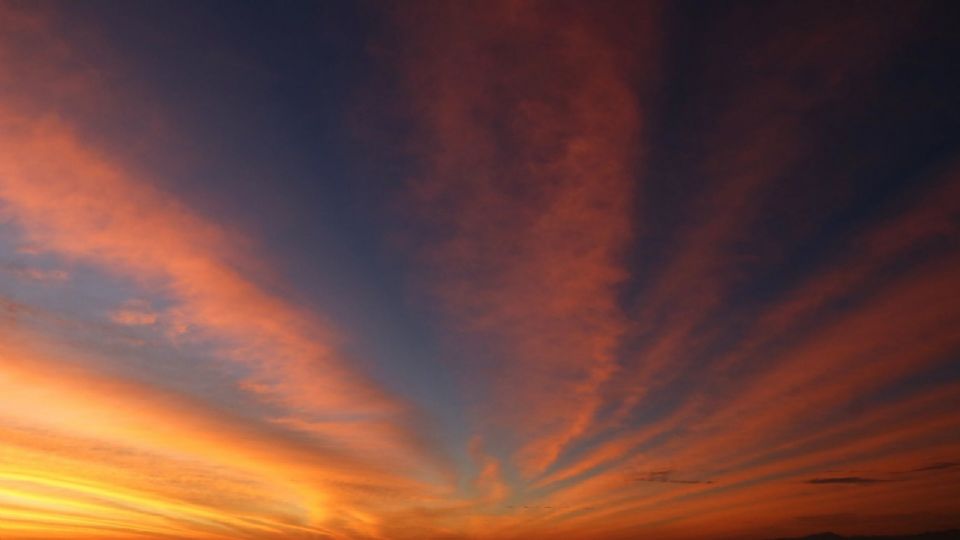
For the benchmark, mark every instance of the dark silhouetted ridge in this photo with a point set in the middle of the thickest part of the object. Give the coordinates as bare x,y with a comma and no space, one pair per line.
953,534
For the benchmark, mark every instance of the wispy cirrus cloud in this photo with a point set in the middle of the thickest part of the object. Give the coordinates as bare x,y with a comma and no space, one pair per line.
37,274
683,270
530,130
135,313
68,199
790,359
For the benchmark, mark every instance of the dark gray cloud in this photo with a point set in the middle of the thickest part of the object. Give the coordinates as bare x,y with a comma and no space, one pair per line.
845,480
936,466
890,476
826,518
666,477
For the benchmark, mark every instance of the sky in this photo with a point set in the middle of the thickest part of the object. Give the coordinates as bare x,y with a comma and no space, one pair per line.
478,270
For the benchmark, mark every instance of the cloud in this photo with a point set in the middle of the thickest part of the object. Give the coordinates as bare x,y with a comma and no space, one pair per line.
858,480
128,317
733,352
666,477
79,445
135,313
71,437
530,132
42,275
71,200
758,388
941,466
819,518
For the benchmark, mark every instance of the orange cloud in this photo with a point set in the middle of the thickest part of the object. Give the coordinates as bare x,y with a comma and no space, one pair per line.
135,313
531,132
63,427
113,451
532,128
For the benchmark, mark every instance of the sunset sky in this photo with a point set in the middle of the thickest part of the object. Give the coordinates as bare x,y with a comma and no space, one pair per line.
478,269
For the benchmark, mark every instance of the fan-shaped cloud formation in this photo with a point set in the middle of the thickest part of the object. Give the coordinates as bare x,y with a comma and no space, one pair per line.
591,271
